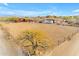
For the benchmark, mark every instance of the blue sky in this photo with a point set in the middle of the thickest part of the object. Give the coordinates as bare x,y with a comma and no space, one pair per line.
38,9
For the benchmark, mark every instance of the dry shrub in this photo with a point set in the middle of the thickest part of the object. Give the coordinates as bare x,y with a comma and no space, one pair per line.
34,42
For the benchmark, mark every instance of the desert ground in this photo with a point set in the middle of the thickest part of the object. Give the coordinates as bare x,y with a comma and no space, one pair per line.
7,48
61,40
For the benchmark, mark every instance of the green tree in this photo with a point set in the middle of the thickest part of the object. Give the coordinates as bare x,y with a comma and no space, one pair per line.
26,18
11,18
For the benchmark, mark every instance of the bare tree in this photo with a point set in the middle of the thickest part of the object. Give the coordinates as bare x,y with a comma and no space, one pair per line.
33,37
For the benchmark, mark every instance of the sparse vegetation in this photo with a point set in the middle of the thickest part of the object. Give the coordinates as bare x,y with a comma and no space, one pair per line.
8,19
34,39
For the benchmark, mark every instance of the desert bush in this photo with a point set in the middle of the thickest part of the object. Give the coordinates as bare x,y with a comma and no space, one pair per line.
33,41
9,19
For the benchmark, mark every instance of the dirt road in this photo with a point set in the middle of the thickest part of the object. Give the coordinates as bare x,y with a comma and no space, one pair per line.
68,48
7,48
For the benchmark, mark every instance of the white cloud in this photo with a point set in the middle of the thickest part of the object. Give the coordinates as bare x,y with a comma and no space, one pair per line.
6,11
6,4
30,13
77,10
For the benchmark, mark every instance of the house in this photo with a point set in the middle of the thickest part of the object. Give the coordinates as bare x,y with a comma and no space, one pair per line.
47,21
62,22
20,20
27,20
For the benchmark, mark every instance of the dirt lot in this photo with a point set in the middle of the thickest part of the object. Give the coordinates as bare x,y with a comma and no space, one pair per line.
56,34
52,31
